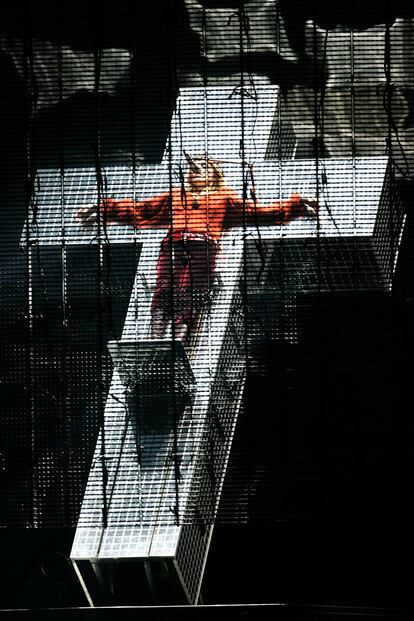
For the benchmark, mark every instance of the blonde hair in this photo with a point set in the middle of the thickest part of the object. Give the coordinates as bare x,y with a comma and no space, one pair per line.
215,166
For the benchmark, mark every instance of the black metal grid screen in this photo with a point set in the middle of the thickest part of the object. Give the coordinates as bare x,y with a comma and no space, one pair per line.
106,101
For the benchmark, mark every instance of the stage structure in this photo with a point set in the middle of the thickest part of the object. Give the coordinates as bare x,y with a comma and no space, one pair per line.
160,460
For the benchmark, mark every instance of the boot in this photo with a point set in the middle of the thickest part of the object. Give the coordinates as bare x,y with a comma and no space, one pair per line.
159,324
181,332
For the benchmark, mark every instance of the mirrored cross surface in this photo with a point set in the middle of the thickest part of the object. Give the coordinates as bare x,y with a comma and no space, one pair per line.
166,440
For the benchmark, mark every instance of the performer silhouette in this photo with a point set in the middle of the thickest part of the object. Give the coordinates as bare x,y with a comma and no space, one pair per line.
195,216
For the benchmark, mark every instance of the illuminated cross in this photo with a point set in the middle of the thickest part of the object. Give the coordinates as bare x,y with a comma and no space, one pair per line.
163,486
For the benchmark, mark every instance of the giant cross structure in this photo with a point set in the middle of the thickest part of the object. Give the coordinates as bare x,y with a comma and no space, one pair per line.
154,487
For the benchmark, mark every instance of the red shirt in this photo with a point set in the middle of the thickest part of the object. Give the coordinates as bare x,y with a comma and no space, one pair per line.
208,213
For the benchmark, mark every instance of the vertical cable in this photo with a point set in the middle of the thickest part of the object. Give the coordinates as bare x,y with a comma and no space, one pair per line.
243,24
171,95
65,422
392,207
29,95
100,267
318,110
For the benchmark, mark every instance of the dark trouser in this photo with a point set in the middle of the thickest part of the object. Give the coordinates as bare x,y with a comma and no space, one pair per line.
184,275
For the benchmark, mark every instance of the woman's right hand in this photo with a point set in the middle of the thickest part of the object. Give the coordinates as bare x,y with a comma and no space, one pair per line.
311,206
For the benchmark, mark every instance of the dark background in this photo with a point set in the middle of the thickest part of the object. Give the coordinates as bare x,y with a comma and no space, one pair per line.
330,467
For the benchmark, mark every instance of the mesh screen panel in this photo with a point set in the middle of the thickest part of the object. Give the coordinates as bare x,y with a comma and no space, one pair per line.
184,340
